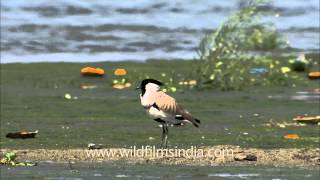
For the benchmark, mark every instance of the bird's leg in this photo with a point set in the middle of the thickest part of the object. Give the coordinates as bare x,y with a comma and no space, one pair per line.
163,134
166,135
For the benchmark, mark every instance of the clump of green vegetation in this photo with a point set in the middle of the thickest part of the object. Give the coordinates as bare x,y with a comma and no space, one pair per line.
227,58
9,159
301,63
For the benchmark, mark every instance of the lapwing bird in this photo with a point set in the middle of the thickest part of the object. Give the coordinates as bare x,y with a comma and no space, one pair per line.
163,108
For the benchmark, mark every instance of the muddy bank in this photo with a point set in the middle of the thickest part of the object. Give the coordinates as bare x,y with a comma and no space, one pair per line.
212,156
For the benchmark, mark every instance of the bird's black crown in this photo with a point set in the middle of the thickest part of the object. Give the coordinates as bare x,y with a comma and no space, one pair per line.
146,81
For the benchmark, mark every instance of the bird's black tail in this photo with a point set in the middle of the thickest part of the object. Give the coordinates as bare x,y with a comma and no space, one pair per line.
195,122
191,119
185,115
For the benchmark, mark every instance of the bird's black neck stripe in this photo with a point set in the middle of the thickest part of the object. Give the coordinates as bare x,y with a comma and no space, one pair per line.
156,106
143,91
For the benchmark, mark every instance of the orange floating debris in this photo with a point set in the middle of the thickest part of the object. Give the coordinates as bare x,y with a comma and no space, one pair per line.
307,119
291,136
314,75
89,71
120,72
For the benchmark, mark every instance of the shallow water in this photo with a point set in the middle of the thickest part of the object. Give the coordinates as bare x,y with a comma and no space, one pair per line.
68,30
120,170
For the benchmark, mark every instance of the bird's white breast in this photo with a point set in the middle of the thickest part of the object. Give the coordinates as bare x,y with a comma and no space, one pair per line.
146,100
155,113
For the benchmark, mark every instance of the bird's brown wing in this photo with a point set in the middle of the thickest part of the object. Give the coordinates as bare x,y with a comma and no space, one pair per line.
165,103
168,104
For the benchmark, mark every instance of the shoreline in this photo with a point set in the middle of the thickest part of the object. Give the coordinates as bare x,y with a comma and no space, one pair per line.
288,157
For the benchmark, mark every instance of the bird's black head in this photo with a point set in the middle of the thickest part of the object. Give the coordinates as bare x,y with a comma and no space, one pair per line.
144,82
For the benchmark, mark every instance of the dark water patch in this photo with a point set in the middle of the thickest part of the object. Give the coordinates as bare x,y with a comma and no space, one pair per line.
74,10
4,9
28,28
52,11
166,45
145,45
104,28
217,9
8,45
284,11
33,46
132,11
55,47
112,27
139,28
81,36
75,29
100,48
302,30
158,5
52,47
177,10
186,42
46,11
102,10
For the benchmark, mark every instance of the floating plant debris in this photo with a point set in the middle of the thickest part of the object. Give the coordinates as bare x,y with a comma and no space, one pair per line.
89,71
22,135
314,75
307,119
120,72
291,136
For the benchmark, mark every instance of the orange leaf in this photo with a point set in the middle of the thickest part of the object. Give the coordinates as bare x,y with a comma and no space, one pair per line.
291,136
92,71
120,72
314,75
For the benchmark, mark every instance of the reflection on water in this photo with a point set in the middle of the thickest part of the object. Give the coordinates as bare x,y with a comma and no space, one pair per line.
108,30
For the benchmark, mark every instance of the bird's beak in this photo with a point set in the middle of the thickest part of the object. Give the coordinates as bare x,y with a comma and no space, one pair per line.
137,87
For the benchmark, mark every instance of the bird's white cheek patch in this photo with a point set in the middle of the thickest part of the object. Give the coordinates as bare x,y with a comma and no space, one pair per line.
145,102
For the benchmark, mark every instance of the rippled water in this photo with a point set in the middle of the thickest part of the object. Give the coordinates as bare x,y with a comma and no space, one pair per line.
95,30
116,170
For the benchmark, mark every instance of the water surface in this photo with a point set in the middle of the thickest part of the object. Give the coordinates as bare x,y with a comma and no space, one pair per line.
69,30
120,170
